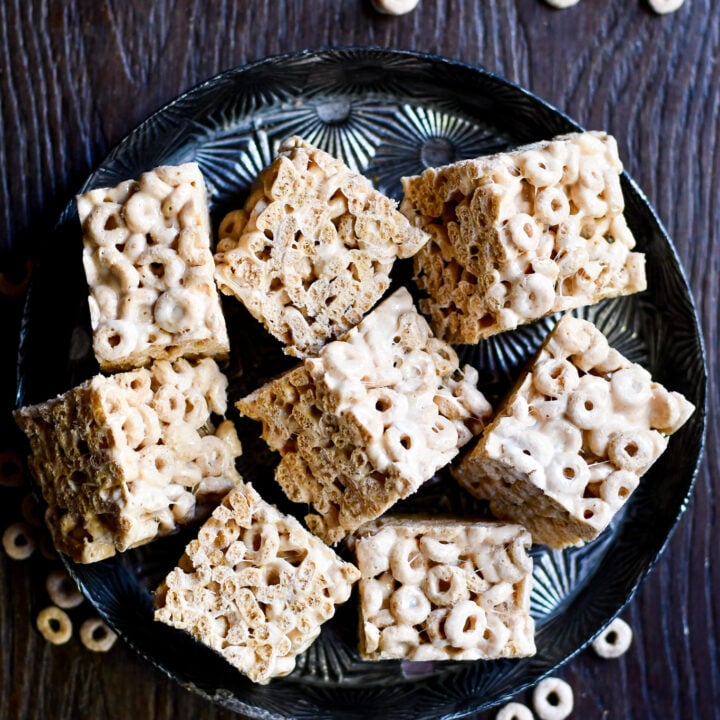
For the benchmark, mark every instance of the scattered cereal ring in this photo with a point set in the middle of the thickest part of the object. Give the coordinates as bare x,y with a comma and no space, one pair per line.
11,469
54,625
553,699
562,4
14,288
394,7
614,640
18,541
31,511
96,635
47,548
514,711
665,6
62,590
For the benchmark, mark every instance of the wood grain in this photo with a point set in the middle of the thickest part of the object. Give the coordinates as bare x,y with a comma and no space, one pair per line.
75,77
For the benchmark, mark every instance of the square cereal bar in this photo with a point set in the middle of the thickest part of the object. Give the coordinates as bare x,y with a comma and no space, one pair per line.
311,252
444,589
126,458
523,234
150,269
571,442
370,419
255,586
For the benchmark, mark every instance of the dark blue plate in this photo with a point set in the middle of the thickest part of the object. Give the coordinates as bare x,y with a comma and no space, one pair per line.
387,114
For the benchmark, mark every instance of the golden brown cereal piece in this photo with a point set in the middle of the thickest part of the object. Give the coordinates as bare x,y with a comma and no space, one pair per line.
150,269
520,235
553,699
614,640
54,625
255,586
443,589
11,468
569,445
62,590
311,252
18,541
124,459
95,635
369,420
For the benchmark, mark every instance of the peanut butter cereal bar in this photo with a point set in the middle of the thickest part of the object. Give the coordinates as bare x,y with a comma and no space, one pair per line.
437,589
517,236
255,586
124,459
370,419
150,269
573,439
311,252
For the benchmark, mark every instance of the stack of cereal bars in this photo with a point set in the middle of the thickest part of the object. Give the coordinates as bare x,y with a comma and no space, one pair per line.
376,406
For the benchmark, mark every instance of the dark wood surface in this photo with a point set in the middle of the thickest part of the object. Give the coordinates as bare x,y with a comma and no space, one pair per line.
76,76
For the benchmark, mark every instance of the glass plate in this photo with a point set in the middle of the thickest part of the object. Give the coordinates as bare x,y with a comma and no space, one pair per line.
387,114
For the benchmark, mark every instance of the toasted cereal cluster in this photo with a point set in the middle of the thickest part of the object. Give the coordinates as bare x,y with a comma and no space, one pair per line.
571,442
255,586
311,252
123,459
441,589
150,269
520,235
370,419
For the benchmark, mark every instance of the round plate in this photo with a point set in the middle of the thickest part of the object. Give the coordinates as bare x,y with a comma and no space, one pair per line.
386,114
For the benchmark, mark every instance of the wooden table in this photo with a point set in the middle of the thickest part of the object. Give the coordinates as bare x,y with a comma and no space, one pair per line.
75,77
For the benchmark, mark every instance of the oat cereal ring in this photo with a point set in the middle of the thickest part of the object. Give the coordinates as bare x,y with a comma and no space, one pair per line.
631,450
614,640
15,288
32,511
553,699
554,377
514,711
11,469
95,635
54,625
665,6
588,405
62,590
18,541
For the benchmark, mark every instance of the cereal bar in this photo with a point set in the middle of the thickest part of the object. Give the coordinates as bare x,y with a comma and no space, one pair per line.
255,586
311,252
571,442
150,269
370,419
126,458
519,235
444,589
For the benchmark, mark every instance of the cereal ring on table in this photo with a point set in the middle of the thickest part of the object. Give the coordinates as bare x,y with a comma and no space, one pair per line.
553,699
514,711
665,6
62,590
11,468
95,635
14,286
32,511
18,541
614,640
394,7
54,625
